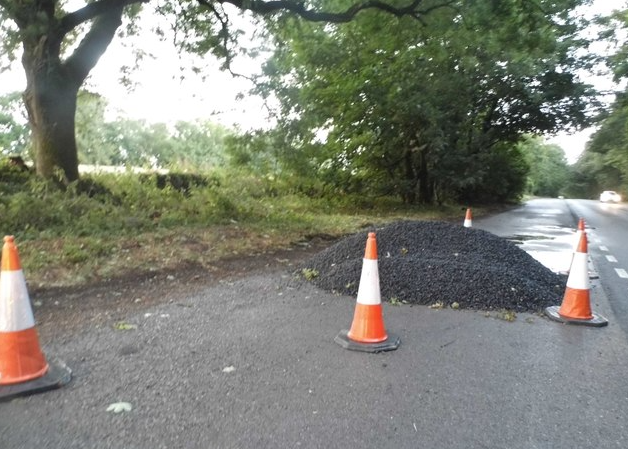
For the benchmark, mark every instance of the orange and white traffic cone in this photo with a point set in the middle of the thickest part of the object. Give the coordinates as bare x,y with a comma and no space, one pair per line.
368,332
574,246
576,305
23,367
578,234
468,219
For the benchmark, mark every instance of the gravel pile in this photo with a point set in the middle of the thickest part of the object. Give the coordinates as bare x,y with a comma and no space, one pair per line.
427,262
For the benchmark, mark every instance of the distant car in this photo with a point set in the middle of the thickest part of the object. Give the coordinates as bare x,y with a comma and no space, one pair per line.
608,196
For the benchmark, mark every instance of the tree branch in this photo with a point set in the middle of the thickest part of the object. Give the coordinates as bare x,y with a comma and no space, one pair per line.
298,8
94,44
224,35
91,11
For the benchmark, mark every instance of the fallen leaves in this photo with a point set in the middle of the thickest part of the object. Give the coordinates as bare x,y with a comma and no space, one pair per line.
119,407
122,326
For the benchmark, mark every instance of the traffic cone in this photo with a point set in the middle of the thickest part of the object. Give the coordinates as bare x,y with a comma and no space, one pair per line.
23,367
368,332
578,234
574,246
468,219
576,306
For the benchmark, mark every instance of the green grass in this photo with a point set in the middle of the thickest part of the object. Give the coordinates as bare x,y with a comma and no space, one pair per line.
106,225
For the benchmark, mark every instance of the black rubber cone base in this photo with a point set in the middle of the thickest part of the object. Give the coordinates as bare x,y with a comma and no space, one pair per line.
596,321
57,376
390,344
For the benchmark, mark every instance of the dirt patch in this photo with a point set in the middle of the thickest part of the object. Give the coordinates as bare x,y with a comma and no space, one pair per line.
66,310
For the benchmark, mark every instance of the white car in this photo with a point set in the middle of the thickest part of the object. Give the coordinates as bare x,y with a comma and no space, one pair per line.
609,196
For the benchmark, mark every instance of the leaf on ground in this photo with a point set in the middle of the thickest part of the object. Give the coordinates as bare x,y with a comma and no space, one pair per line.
119,407
122,326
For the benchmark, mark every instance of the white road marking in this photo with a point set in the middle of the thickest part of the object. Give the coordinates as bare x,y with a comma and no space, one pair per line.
603,248
621,273
611,259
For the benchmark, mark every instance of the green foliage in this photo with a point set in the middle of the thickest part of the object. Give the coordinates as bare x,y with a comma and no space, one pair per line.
14,134
12,177
309,274
120,204
614,32
503,179
439,119
198,145
604,163
549,172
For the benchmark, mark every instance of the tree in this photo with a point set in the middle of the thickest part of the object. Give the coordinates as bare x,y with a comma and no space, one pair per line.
14,135
427,121
604,163
55,68
94,137
549,173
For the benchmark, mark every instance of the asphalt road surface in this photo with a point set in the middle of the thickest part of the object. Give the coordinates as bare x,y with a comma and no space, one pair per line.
609,249
253,364
545,229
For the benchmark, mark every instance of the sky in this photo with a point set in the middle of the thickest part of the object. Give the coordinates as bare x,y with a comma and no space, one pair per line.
573,143
162,96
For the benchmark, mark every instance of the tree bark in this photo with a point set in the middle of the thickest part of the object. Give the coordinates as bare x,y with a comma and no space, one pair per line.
409,192
50,100
426,191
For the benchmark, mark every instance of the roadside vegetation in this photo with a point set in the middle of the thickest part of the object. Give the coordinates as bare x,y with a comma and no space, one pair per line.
377,117
195,193
107,225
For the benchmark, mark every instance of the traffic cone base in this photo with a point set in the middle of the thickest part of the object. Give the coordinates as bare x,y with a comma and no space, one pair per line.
596,320
58,375
390,344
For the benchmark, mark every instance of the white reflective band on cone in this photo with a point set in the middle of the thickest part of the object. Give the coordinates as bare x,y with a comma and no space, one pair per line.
368,290
579,272
15,308
576,240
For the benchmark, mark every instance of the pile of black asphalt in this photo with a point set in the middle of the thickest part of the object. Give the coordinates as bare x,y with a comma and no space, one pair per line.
443,264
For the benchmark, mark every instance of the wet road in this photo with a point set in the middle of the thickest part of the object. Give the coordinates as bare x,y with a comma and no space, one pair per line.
608,227
545,228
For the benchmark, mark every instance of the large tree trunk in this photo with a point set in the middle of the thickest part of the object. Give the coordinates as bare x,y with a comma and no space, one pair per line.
52,84
50,100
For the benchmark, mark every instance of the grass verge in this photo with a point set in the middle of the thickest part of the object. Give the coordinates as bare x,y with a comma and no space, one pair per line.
110,225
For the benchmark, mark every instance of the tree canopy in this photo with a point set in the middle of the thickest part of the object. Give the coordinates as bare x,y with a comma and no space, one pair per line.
431,111
604,162
61,47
